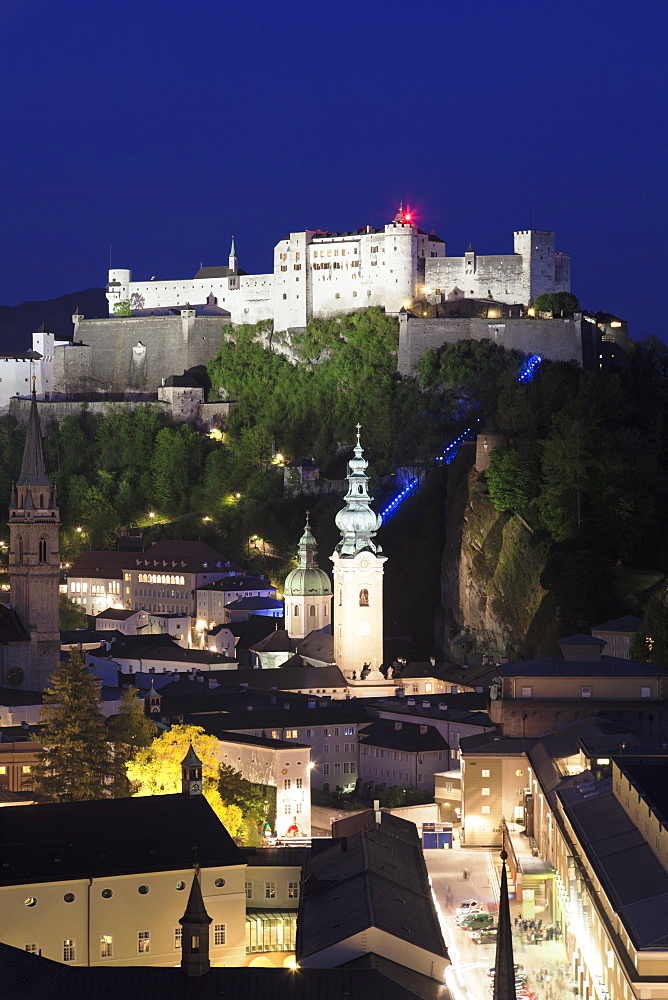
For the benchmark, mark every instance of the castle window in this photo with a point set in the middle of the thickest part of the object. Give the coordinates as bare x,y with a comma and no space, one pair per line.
41,501
364,598
20,552
42,550
311,610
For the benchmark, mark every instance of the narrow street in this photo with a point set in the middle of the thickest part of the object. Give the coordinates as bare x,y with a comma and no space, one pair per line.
546,963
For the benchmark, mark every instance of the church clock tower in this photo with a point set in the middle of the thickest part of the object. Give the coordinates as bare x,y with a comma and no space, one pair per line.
34,559
307,591
358,579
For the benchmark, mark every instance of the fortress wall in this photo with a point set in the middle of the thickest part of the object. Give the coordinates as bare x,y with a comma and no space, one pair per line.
122,353
501,276
51,413
556,339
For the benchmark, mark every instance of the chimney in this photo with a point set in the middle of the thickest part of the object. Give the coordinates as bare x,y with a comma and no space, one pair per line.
423,730
398,725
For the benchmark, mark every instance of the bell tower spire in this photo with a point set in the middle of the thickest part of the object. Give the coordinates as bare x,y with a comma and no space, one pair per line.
307,591
358,578
34,558
233,262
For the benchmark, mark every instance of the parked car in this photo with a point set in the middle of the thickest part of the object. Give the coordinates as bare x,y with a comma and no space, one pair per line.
477,921
484,935
468,907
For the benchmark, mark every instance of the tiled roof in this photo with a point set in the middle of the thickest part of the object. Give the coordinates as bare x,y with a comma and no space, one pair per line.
627,623
68,840
101,565
31,977
557,666
277,641
190,556
255,604
408,738
232,583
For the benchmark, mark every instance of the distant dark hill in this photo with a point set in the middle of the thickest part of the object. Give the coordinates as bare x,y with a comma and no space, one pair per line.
18,323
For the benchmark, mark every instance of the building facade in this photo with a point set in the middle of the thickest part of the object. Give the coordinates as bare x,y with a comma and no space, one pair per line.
323,274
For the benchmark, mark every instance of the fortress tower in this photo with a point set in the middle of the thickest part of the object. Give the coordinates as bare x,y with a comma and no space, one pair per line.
307,591
34,561
358,578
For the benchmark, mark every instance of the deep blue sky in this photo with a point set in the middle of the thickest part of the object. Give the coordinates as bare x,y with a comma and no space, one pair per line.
163,128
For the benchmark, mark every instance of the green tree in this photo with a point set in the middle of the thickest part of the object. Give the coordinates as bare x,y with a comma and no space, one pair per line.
129,731
156,770
122,309
650,643
512,479
76,760
558,303
71,616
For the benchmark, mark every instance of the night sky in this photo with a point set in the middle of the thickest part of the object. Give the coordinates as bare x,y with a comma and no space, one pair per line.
163,128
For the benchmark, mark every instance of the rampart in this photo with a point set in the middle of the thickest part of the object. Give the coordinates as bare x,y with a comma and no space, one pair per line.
135,352
556,339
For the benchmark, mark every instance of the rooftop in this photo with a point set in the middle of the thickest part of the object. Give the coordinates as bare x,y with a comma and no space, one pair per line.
557,666
69,840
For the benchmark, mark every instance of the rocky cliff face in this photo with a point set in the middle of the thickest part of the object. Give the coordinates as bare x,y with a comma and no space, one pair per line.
491,571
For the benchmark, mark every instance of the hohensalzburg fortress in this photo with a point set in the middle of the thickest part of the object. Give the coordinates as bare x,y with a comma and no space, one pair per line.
323,274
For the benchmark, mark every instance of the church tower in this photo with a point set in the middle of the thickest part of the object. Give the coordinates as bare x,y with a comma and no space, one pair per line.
232,261
358,578
307,591
34,558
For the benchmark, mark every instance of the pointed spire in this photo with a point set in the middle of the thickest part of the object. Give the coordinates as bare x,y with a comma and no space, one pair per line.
195,936
504,966
191,773
33,467
233,257
357,522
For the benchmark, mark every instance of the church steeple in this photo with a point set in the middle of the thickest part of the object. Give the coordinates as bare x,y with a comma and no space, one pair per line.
358,579
195,935
233,262
356,521
191,773
34,560
504,965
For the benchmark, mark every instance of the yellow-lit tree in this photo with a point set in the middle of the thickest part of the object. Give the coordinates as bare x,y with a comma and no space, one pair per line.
156,770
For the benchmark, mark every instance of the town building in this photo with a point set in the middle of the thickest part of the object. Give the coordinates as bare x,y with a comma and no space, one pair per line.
532,697
618,635
20,372
403,754
370,892
214,597
587,848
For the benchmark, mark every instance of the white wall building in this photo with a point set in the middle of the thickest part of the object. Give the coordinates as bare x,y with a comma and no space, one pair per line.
17,370
322,274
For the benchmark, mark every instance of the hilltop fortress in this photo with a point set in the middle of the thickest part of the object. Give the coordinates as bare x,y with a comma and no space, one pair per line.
158,329
322,274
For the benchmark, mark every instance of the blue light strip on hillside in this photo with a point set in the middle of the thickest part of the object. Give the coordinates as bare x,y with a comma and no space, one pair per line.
451,450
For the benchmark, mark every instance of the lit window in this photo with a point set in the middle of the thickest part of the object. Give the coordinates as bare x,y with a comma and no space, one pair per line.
106,946
270,890
143,942
291,734
178,937
484,810
249,890
219,933
69,950
293,890
485,791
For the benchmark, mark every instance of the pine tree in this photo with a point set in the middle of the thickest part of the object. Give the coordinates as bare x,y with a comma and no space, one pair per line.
129,731
76,760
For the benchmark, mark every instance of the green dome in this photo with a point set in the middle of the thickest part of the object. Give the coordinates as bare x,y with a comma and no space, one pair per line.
307,580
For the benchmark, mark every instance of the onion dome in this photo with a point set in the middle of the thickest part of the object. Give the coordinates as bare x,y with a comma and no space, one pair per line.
357,522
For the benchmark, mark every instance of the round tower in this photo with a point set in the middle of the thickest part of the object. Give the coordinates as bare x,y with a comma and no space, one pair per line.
307,591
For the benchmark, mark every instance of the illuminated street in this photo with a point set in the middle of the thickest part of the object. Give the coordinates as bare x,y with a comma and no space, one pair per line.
468,978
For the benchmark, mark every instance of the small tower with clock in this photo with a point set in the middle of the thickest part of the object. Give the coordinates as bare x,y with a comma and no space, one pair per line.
191,773
358,579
